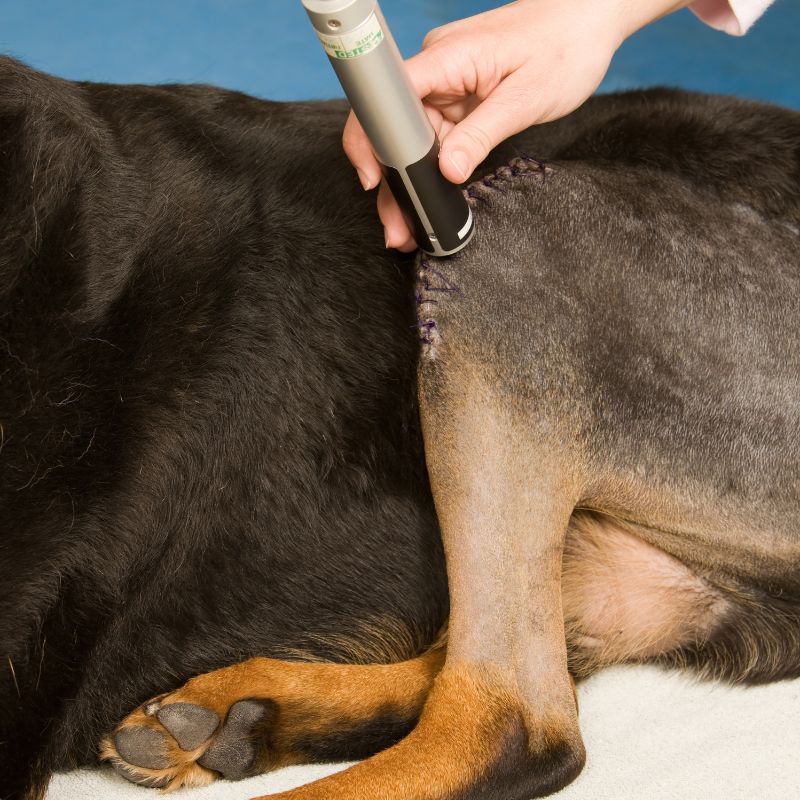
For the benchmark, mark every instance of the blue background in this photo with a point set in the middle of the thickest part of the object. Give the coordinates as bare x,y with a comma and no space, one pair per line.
266,47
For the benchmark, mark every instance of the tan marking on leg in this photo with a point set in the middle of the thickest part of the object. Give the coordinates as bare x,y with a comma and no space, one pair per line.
313,701
472,724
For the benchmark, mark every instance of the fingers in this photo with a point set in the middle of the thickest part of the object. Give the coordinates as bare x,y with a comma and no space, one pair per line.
358,150
503,113
482,82
397,232
487,107
427,75
465,145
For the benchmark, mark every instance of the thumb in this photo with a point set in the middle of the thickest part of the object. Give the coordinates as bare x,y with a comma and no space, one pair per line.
502,114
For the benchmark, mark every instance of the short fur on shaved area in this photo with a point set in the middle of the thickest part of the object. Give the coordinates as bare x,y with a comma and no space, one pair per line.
223,545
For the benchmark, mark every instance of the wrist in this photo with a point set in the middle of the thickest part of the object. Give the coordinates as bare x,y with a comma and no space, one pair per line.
611,21
633,15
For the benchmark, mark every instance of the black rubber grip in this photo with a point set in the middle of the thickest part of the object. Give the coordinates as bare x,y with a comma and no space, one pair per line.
443,202
407,207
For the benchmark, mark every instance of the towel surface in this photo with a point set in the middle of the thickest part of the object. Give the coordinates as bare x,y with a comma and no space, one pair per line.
649,734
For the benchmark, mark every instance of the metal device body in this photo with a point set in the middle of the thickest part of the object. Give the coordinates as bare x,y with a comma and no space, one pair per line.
370,68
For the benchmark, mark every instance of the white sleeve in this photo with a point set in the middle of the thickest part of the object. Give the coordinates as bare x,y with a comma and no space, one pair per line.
730,16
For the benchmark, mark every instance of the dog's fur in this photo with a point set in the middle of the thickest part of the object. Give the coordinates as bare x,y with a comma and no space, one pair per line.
211,447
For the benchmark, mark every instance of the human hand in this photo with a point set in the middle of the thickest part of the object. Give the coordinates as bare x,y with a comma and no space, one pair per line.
490,76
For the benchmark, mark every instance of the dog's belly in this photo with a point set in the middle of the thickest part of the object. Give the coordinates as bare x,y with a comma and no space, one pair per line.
625,598
726,602
715,536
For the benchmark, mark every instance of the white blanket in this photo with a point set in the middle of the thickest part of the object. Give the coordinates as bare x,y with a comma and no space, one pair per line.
650,735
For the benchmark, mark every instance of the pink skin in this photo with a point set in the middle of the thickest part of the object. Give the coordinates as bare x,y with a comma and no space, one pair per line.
490,76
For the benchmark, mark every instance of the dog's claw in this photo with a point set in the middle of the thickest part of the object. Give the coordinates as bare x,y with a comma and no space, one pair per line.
151,708
142,747
189,724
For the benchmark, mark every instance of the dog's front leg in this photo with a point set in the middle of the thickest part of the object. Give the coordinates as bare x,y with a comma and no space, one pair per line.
501,719
504,496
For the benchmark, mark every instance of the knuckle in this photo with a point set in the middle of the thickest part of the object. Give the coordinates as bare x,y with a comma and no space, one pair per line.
435,35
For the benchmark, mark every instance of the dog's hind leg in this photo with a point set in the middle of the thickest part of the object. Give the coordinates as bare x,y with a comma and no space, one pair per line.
263,714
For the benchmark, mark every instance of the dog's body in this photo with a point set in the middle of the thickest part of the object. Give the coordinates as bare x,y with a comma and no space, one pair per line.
211,446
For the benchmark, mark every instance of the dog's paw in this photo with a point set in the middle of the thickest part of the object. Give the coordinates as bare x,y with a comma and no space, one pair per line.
175,740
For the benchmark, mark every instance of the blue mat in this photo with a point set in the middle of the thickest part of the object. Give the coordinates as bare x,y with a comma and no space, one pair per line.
266,47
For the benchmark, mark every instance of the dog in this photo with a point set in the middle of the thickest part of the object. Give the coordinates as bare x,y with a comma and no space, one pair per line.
217,382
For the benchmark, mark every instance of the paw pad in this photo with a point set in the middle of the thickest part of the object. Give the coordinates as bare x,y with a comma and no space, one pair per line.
142,747
190,725
167,745
233,752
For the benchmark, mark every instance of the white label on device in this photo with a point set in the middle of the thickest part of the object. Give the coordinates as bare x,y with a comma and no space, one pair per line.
364,39
465,230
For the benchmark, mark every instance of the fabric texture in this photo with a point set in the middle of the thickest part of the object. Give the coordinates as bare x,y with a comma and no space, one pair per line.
649,734
731,16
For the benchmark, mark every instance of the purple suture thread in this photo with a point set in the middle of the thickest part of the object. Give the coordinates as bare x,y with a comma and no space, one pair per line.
495,181
540,165
426,327
488,181
429,332
473,196
422,300
427,270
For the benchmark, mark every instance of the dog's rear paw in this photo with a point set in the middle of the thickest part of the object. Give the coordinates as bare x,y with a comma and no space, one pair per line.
170,742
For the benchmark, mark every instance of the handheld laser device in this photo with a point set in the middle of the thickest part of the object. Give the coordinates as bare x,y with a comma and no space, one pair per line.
370,68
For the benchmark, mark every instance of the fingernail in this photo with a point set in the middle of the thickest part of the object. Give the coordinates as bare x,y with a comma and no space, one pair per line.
458,158
365,181
386,242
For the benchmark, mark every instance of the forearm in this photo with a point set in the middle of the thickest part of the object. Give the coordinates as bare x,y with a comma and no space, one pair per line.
617,19
634,15
730,16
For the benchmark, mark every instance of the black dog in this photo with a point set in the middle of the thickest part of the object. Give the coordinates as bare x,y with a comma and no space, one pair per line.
210,440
